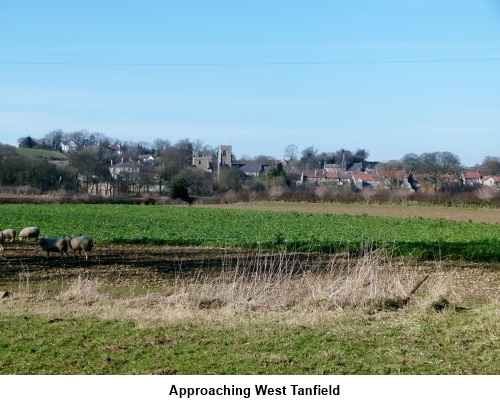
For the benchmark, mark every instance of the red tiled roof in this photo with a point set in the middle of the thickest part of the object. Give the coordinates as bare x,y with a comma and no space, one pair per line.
471,175
396,173
364,177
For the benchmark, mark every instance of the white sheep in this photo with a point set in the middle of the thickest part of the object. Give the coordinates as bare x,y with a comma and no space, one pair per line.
30,232
80,243
9,234
58,245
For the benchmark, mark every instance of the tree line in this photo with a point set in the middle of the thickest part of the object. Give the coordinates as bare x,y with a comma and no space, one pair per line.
172,173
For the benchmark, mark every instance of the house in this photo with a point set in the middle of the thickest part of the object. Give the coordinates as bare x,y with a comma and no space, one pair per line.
254,169
392,178
309,179
68,146
116,148
321,177
345,178
330,178
471,178
146,158
124,168
332,168
355,168
491,181
363,180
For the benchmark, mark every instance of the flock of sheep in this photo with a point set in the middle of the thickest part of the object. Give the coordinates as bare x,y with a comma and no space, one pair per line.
58,245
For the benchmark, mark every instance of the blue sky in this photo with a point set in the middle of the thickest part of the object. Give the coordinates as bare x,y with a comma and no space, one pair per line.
392,77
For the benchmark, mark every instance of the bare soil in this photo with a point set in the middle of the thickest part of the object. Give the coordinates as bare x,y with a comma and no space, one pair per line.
486,215
149,267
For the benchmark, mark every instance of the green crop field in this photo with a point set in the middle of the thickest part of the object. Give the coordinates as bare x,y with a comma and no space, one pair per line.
194,226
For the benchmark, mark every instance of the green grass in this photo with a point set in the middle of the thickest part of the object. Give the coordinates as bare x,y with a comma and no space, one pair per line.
47,154
405,342
193,226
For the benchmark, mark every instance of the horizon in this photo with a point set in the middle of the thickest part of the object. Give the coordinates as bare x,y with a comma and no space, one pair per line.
391,77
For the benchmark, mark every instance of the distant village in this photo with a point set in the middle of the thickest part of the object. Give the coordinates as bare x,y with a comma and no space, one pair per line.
95,165
330,174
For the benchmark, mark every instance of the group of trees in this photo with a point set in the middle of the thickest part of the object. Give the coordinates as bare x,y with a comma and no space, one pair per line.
172,171
18,170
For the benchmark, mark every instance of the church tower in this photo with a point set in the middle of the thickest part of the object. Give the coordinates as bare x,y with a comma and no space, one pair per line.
224,157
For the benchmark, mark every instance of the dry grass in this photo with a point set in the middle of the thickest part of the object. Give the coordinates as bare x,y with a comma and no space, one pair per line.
252,286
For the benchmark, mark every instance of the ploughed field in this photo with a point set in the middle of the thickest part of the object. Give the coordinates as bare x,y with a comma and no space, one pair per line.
491,216
154,267
120,264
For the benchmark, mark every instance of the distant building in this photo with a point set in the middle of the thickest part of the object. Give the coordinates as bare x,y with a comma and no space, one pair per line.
355,168
146,158
68,146
471,178
225,156
332,168
254,169
124,168
116,148
203,162
491,181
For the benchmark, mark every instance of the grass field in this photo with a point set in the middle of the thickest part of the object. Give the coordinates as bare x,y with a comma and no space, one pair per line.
47,154
408,342
156,304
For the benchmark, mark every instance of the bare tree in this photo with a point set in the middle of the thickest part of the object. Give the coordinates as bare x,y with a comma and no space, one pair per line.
291,152
392,173
81,138
434,166
161,145
491,165
54,138
202,148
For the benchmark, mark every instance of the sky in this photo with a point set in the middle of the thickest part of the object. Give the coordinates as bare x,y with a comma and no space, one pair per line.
391,77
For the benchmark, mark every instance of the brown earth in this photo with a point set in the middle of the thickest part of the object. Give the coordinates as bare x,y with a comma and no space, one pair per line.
487,215
149,267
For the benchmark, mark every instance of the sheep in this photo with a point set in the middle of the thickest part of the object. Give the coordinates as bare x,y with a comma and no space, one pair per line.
9,234
80,243
59,245
31,232
2,240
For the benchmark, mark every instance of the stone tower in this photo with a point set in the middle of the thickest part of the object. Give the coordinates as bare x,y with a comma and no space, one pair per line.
224,156
203,162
